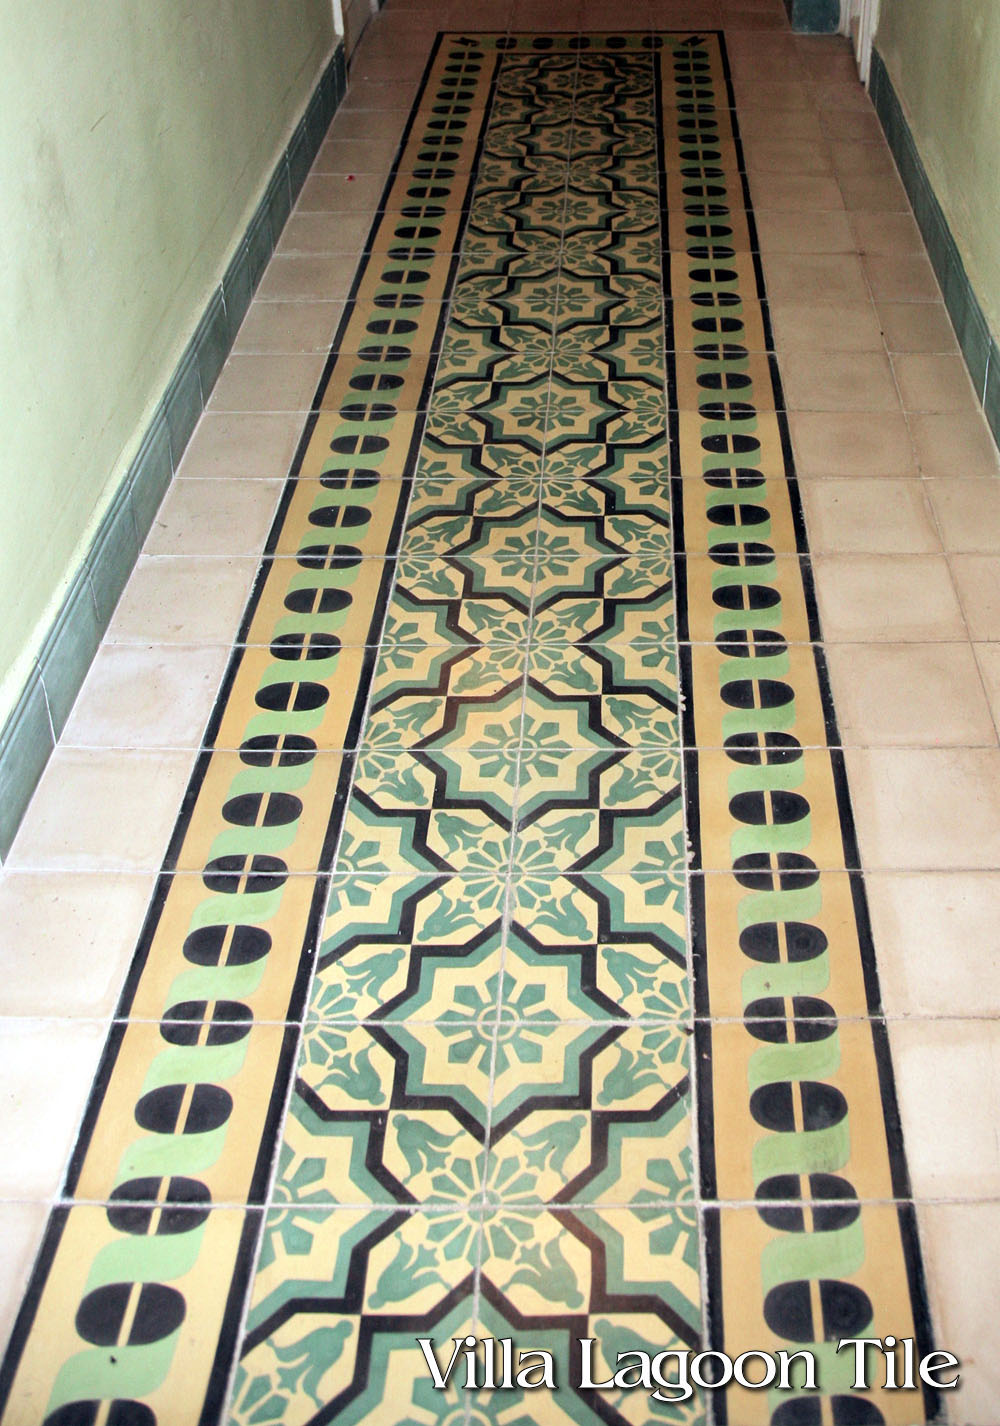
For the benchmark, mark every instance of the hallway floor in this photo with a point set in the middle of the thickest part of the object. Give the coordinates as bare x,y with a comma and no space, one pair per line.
559,820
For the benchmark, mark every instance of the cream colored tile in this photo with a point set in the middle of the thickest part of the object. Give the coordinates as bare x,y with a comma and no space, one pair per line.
859,125
349,125
830,62
146,697
299,279
793,127
899,277
214,517
909,695
934,382
793,193
355,156
806,277
254,446
323,234
977,579
875,192
771,96
936,941
840,96
102,811
934,809
267,383
988,656
851,443
85,925
917,327
967,513
21,1229
953,445
854,382
803,232
825,326
182,601
887,233
881,516
948,1083
48,1069
961,1253
367,94
289,327
792,155
887,599
851,157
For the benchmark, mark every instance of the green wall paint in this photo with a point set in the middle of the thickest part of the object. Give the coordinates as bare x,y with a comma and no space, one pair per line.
943,57
137,141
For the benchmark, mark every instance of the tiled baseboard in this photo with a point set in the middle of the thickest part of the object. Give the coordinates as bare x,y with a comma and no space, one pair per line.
978,343
40,714
814,17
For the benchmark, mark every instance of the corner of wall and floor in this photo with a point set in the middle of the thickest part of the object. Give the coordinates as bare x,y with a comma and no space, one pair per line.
40,712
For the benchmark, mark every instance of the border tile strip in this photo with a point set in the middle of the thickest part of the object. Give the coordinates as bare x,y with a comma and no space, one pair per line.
39,716
979,345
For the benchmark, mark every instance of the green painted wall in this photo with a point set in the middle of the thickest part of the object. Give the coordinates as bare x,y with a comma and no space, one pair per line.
943,57
137,138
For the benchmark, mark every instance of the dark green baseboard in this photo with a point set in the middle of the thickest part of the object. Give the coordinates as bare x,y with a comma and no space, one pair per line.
814,17
40,714
978,343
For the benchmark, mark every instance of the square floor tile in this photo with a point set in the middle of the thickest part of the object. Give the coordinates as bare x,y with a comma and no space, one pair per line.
880,516
854,443
909,695
886,598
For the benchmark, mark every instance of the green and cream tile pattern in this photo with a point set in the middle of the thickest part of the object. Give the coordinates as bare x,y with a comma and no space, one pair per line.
508,973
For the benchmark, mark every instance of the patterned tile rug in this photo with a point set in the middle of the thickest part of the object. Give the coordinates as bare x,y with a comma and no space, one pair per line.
509,973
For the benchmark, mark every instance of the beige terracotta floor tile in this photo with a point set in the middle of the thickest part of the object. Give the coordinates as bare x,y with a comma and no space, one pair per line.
768,154
859,125
953,445
783,232
180,600
916,327
805,277
266,383
852,157
340,193
962,1260
771,96
944,1074
934,382
851,443
894,696
795,194
48,1069
855,382
293,279
347,127
839,94
102,811
259,447
289,327
21,1229
899,277
826,326
935,809
863,191
887,598
861,516
214,517
801,130
355,156
988,657
324,234
888,233
87,925
967,513
936,943
977,579
156,696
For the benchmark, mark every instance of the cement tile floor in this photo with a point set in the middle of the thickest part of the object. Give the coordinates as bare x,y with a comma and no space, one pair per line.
896,476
